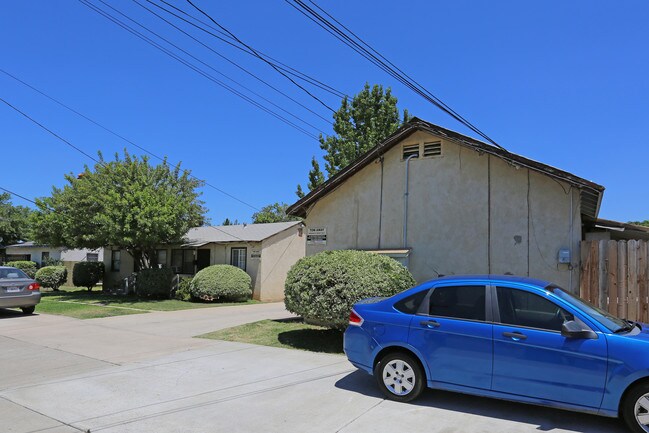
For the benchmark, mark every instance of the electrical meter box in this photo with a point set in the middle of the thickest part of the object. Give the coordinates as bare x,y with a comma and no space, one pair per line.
564,255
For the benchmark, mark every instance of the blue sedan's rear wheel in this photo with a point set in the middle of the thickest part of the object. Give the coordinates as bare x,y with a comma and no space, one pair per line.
635,408
399,376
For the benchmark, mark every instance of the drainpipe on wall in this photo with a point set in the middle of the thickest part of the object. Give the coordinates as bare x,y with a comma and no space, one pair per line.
405,203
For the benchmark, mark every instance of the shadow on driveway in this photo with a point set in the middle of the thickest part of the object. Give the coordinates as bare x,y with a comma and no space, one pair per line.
8,314
546,419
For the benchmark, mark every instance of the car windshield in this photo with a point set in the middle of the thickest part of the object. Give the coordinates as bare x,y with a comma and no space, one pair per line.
11,274
609,321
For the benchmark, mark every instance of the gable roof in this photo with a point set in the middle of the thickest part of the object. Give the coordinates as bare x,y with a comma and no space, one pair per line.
591,193
199,236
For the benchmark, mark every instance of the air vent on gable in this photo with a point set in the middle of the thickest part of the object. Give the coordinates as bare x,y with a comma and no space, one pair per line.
434,148
410,149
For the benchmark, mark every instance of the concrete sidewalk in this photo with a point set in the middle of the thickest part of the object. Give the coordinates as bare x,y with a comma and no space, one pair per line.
125,374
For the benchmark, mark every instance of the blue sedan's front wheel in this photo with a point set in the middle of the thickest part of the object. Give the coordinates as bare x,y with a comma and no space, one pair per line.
399,376
635,408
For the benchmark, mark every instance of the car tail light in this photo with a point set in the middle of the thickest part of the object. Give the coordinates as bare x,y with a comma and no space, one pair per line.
34,286
355,319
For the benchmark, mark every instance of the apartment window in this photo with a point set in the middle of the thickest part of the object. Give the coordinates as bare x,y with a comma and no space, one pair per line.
182,261
161,257
45,256
115,260
238,257
92,257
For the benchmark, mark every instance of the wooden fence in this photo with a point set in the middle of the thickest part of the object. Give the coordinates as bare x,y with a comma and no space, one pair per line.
615,277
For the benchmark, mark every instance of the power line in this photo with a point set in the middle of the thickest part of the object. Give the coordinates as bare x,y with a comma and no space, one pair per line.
260,56
18,195
191,66
361,47
50,131
121,137
283,66
241,68
101,163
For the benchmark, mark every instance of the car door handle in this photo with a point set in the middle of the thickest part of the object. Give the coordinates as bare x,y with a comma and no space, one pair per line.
516,336
429,323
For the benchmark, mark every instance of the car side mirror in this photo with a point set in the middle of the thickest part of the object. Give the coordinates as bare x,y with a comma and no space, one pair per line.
573,329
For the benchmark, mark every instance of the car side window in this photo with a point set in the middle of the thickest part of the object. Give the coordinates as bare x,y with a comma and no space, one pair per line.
460,302
521,308
411,304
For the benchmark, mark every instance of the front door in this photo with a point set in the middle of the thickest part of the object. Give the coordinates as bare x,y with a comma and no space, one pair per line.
454,336
532,358
202,259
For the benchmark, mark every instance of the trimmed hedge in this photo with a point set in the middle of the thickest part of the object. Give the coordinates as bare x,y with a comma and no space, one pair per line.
26,266
87,274
324,287
52,276
154,283
221,282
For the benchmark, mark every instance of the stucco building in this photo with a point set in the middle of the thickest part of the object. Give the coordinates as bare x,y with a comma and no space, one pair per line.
444,203
265,251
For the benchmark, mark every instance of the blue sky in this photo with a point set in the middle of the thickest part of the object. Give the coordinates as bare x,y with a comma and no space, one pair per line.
565,83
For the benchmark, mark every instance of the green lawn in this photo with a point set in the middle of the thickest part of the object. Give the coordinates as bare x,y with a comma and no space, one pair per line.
82,304
289,334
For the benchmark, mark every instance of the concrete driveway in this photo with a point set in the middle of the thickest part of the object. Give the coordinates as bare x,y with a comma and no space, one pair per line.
144,373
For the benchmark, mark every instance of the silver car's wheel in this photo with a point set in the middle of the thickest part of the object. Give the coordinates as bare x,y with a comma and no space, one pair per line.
641,412
399,377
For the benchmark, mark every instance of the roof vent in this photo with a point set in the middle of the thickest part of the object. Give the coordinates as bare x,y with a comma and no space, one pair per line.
410,150
433,148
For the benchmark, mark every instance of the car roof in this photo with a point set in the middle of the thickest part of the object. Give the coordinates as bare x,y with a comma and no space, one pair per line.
495,279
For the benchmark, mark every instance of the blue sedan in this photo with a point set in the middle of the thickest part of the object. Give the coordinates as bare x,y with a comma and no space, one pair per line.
510,338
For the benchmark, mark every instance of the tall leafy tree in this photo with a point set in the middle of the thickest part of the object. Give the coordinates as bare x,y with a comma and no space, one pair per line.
640,223
316,177
360,124
273,213
125,203
14,221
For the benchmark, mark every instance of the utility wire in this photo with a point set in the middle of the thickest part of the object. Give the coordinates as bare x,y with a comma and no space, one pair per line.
50,131
283,66
82,152
190,65
121,137
242,69
260,56
372,55
18,195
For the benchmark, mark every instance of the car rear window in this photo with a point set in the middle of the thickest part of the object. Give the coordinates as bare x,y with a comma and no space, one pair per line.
410,305
12,274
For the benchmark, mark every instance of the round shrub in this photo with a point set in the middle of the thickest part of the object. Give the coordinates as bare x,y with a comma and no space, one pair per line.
221,282
52,276
26,266
87,274
324,287
154,283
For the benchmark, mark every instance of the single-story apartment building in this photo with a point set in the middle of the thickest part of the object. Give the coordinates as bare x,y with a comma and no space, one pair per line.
265,251
41,254
444,203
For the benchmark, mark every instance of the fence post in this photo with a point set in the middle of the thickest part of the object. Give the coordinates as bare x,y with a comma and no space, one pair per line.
611,277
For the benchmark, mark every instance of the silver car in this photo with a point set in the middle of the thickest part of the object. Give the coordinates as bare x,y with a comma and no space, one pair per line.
17,290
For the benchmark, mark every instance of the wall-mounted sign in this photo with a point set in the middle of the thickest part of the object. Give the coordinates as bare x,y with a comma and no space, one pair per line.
255,254
316,236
